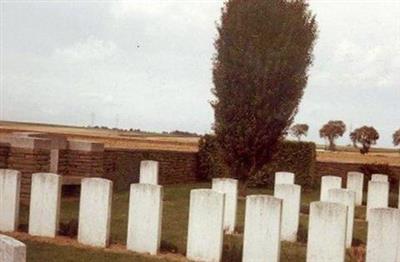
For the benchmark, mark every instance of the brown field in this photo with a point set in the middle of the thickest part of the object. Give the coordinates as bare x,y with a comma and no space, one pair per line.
136,140
110,138
390,158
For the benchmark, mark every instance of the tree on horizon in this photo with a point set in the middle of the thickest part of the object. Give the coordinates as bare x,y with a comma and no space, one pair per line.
332,131
299,130
365,136
396,138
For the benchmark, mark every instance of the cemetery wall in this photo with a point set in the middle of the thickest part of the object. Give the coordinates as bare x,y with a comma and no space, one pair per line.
4,151
28,161
85,163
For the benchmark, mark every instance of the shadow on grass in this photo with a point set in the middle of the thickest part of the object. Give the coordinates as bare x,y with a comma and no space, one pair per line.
69,229
356,242
167,246
23,227
232,250
305,209
302,234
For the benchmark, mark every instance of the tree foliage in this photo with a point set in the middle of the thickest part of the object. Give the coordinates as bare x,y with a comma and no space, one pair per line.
299,130
264,50
365,136
331,131
396,137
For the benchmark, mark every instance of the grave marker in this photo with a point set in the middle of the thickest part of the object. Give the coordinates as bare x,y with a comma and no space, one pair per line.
229,187
44,209
95,212
205,229
262,230
10,183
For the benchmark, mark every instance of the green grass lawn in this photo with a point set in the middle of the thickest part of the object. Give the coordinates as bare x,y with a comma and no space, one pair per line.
174,230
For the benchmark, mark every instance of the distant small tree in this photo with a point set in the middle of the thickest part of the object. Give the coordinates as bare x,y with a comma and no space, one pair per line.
331,131
353,138
396,138
299,130
365,136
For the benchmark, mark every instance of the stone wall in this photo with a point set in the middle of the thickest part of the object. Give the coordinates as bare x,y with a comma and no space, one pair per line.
122,166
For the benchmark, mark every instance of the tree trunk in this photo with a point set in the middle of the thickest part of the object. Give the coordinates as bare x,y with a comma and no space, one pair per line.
332,146
365,149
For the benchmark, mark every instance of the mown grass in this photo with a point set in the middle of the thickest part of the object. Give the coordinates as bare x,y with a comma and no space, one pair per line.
174,229
41,252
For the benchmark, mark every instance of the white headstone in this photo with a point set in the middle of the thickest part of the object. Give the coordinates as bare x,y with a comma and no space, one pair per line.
10,183
148,172
205,229
44,207
378,195
383,235
329,182
229,187
291,195
284,178
355,182
379,178
347,198
326,232
95,212
262,229
12,250
144,222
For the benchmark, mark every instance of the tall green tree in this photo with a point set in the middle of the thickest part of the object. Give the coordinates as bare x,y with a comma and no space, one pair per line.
264,50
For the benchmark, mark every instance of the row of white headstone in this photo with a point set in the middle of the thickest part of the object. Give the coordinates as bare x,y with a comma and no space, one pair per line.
378,189
94,210
383,238
145,208
268,219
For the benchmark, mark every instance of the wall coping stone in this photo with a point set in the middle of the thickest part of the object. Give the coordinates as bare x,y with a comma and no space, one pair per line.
27,142
79,145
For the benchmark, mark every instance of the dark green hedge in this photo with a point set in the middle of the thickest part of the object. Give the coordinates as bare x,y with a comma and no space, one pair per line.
296,157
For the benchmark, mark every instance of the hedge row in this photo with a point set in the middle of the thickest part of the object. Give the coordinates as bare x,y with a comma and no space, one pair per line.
296,157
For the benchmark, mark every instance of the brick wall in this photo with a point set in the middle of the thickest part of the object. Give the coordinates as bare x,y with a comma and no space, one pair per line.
122,166
85,163
28,161
4,152
63,162
76,159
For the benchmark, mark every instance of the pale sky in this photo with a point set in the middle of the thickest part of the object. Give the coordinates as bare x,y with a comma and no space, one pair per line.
147,64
